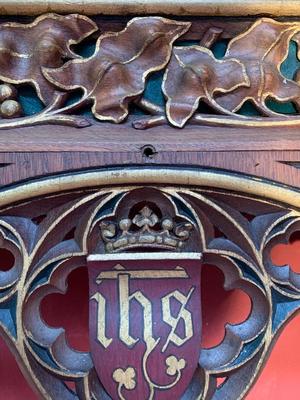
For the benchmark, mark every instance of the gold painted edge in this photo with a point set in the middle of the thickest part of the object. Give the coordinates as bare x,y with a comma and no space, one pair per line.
152,176
173,7
146,256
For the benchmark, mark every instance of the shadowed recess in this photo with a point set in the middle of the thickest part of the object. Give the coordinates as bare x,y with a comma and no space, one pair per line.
7,260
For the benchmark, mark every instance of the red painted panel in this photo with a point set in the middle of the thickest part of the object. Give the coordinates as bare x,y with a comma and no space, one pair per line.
279,380
151,342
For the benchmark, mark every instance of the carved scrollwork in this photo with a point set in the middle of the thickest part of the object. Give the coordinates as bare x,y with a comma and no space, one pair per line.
115,77
233,231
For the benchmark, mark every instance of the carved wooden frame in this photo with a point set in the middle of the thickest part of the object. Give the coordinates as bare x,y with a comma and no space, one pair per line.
237,217
276,215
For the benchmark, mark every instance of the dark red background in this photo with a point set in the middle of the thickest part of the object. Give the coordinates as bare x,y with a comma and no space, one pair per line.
279,380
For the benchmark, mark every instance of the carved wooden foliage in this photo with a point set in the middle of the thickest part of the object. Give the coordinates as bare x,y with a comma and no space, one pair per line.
194,74
26,49
116,74
262,49
46,252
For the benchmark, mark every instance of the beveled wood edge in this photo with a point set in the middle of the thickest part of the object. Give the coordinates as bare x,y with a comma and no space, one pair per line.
155,176
171,7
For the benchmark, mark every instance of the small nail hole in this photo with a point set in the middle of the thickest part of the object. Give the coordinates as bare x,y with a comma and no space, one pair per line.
148,151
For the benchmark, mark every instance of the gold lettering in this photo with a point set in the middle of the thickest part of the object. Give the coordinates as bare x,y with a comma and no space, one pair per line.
101,305
178,272
125,299
183,314
123,277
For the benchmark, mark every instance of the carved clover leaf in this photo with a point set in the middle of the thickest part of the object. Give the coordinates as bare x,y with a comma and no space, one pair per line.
194,74
262,49
145,218
174,365
25,49
116,73
125,377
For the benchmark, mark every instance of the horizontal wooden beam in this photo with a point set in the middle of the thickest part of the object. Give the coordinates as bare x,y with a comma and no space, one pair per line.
175,7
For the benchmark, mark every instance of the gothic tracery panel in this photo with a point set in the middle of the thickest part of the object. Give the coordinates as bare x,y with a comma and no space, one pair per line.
52,234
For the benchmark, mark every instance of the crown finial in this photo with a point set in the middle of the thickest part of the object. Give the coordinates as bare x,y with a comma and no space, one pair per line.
145,229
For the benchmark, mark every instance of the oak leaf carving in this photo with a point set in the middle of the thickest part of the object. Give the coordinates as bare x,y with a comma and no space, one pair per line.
116,73
26,48
262,49
194,74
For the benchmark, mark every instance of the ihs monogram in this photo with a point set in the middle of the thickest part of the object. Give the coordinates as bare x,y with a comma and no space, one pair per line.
151,323
125,300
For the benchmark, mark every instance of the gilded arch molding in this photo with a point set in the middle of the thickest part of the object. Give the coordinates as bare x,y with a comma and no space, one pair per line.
165,175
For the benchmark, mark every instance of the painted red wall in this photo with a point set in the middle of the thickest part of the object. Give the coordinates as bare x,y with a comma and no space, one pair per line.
279,380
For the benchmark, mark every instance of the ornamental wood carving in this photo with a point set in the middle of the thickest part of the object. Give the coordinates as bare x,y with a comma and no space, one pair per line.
143,234
112,81
145,307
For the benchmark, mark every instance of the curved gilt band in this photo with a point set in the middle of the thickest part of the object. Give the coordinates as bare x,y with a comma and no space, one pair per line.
231,221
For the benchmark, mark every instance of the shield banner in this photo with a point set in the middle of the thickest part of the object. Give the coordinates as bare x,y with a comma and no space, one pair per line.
145,323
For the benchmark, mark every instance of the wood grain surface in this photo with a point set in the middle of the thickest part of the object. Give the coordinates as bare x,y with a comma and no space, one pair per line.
186,7
39,151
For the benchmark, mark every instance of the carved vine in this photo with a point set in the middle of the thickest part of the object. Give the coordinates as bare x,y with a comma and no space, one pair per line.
116,75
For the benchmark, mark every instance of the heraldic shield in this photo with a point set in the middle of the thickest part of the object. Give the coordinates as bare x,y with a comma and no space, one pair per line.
145,323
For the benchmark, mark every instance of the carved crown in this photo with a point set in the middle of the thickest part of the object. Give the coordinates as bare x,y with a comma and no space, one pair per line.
145,229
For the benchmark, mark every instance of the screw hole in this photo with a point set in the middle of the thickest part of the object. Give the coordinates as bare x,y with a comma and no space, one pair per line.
148,151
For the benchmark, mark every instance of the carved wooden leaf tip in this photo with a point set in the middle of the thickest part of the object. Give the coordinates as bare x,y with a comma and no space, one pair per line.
250,70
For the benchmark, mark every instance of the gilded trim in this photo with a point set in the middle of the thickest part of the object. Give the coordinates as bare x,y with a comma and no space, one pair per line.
123,7
152,176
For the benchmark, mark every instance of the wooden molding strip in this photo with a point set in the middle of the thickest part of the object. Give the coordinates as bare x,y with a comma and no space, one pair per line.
130,177
179,7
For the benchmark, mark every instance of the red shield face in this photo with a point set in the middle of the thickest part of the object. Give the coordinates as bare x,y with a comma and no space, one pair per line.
145,323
